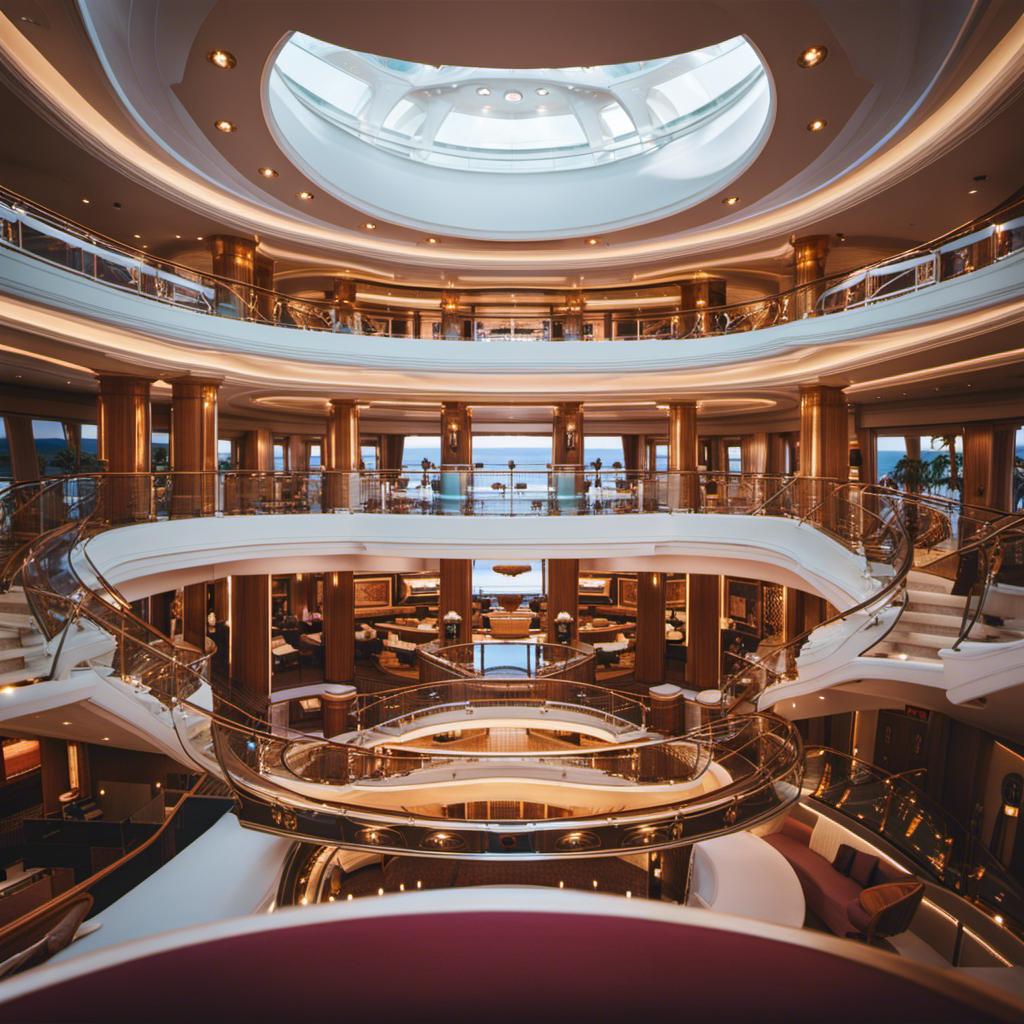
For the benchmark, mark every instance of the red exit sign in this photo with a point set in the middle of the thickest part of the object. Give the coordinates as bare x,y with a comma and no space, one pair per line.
919,713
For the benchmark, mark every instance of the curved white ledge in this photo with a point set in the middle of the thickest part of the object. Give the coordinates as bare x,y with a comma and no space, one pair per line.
141,560
45,299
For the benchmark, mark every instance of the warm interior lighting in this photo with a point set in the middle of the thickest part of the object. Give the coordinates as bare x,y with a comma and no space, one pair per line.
731,200
225,126
368,226
304,195
268,172
593,241
812,56
817,125
222,59
430,241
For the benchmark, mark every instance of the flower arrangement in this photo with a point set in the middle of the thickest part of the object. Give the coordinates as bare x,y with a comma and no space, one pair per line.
563,617
451,621
563,627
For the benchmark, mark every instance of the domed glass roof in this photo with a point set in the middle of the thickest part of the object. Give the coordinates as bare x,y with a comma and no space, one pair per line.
522,120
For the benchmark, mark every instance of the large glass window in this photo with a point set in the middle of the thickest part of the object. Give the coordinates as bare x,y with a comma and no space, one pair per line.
606,447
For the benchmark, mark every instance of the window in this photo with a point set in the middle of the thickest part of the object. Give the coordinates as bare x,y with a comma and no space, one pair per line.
225,453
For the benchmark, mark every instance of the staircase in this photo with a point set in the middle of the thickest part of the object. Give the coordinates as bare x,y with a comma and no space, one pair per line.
23,653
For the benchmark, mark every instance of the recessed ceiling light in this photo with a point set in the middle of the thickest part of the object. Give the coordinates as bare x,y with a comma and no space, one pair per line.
268,172
221,59
593,241
86,201
542,92
973,192
429,241
542,106
731,200
106,739
817,125
812,56
513,96
368,226
65,723
138,236
177,236
199,238
29,21
304,195
225,126
483,91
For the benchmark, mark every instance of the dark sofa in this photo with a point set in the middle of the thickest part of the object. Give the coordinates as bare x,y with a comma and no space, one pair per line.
832,895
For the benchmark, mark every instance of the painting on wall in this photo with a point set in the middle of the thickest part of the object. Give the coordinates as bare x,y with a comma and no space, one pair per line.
675,593
595,586
373,591
627,592
743,604
419,588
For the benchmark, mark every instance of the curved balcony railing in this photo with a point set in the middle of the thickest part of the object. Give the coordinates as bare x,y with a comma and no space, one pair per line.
921,829
508,660
33,229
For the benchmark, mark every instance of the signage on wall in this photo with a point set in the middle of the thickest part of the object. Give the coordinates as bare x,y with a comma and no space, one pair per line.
919,713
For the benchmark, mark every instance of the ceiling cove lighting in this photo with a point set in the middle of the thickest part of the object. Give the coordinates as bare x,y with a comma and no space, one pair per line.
368,226
812,56
225,126
222,59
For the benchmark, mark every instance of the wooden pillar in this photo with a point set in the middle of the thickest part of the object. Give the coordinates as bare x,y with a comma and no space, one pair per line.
392,451
54,772
668,709
250,633
298,454
702,631
341,454
194,612
988,465
809,255
257,451
572,329
563,595
456,596
338,703
160,611
221,605
696,299
194,446
451,318
567,434
235,260
22,447
650,627
754,453
339,622
684,487
125,433
775,463
263,278
824,446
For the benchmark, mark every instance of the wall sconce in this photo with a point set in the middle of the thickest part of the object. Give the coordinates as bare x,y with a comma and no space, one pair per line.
453,436
570,436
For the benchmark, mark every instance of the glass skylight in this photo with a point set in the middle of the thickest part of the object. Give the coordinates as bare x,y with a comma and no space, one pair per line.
507,119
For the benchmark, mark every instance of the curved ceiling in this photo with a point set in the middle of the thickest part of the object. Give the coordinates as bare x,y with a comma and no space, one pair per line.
894,101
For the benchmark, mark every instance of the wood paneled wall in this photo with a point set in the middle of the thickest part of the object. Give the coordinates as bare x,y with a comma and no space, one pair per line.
703,636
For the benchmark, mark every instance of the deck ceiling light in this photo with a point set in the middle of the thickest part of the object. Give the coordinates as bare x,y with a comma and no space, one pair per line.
731,200
225,126
222,59
817,125
812,56
304,195
268,172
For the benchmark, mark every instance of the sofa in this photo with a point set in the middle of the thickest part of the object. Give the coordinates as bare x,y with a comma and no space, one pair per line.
855,893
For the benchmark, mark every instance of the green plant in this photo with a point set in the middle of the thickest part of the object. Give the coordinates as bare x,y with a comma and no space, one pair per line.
910,475
73,460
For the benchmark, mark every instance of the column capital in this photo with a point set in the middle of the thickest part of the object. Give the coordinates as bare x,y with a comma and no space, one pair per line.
201,380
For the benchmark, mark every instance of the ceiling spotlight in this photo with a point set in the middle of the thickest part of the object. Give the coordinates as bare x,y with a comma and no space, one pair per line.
30,21
221,59
268,172
973,192
593,241
304,195
513,96
816,126
812,56
483,91
177,236
731,200
542,92
86,201
368,226
225,126
199,238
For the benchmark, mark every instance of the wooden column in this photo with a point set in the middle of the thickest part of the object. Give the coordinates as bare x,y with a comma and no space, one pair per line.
125,433
754,453
456,434
451,318
250,633
194,446
456,596
339,622
392,451
572,327
650,627
263,278
824,445
256,451
809,255
684,488
344,296
702,631
22,447
194,612
563,595
338,703
988,465
160,611
298,454
775,464
341,454
54,772
567,434
696,299
234,259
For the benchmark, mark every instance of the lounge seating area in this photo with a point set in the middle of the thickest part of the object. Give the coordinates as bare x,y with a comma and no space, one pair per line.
853,891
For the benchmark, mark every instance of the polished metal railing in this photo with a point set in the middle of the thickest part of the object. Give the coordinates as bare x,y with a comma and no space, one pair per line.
919,827
33,229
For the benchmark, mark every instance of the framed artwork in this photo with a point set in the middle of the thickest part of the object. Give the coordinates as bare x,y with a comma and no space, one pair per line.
743,604
373,592
595,586
675,593
416,588
627,591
